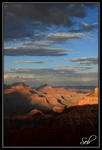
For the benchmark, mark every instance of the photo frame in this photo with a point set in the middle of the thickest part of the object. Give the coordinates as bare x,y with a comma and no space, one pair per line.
51,78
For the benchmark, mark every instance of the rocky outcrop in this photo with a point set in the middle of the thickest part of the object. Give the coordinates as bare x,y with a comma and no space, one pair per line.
91,98
18,85
58,109
45,86
35,112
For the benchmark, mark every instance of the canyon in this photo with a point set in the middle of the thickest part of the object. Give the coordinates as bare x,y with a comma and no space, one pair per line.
49,116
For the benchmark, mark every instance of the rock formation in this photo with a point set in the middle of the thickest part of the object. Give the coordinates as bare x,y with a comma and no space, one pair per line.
91,98
21,98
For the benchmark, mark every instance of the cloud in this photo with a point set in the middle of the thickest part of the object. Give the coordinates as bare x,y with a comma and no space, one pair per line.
57,38
9,76
91,5
62,66
42,61
22,20
84,27
46,13
73,52
85,80
38,71
19,77
88,28
34,51
37,48
38,43
52,72
58,76
51,39
28,79
87,63
43,40
81,68
63,37
53,77
85,60
85,24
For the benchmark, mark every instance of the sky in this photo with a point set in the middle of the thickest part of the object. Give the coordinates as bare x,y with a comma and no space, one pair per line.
51,43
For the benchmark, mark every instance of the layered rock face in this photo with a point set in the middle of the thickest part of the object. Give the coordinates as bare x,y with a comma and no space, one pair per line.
91,98
21,98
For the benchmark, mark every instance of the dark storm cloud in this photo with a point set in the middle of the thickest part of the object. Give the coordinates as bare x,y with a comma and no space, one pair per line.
44,13
85,60
24,19
34,51
91,5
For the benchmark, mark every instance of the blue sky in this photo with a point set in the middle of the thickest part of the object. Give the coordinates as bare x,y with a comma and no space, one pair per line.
53,43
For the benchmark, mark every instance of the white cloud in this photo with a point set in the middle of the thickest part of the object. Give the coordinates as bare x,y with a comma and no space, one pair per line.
63,37
9,76
85,24
19,77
